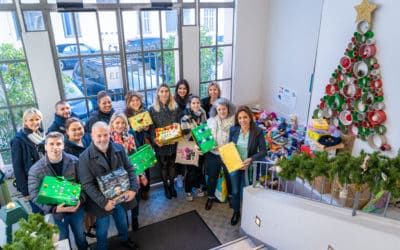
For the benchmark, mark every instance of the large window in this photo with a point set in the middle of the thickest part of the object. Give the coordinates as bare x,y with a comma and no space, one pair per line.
16,91
216,48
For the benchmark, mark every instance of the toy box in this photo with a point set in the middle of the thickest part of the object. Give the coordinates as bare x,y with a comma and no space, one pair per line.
169,134
203,137
230,156
140,121
114,184
57,190
143,159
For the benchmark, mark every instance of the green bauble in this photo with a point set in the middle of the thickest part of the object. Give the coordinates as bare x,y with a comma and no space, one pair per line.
369,34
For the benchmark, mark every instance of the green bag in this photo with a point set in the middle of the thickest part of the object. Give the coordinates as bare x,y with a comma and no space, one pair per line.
203,137
57,190
143,159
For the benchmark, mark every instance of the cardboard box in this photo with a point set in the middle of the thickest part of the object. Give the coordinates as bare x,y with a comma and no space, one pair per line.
351,194
203,137
114,184
143,159
169,134
57,190
140,121
318,184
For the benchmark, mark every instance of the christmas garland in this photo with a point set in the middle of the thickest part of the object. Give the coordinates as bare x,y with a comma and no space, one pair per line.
377,170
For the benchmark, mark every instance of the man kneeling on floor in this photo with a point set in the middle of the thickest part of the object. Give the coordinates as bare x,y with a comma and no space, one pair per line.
105,158
58,163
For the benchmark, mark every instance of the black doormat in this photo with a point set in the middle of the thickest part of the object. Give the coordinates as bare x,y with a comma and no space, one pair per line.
187,231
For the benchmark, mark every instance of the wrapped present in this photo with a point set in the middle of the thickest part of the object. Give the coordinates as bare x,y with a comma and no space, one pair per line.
57,190
203,137
114,184
230,156
140,121
321,124
169,134
143,159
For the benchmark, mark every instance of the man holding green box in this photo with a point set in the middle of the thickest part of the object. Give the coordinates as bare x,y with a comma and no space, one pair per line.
58,163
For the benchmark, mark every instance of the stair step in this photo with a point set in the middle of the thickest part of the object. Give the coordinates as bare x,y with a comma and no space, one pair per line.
242,243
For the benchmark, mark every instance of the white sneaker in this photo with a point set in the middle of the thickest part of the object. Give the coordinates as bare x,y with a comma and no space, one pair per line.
189,197
200,193
179,181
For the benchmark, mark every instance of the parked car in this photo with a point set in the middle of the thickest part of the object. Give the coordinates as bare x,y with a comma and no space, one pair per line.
149,44
66,50
77,106
95,80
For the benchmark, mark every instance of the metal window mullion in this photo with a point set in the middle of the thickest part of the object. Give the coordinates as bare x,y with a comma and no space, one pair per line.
102,52
124,66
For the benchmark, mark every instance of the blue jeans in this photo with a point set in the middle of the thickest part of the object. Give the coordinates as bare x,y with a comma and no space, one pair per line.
75,221
238,182
135,210
214,165
35,208
102,224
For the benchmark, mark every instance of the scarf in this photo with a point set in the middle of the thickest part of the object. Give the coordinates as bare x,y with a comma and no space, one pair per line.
126,140
35,137
221,129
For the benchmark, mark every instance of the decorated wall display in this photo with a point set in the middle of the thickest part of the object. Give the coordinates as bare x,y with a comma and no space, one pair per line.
354,99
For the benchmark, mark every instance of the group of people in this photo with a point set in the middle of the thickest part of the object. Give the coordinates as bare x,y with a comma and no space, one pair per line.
83,152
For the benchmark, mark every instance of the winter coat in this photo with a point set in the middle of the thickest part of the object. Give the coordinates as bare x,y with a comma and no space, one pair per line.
24,154
256,147
75,149
96,116
92,164
161,119
190,120
43,168
206,105
58,124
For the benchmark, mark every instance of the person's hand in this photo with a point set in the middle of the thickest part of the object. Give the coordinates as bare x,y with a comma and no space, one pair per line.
143,180
246,163
198,150
70,209
146,128
130,195
110,205
27,198
159,144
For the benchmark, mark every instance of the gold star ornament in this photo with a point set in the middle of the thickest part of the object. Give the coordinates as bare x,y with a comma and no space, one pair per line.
364,11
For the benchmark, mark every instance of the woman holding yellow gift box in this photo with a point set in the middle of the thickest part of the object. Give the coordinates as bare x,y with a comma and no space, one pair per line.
249,140
164,112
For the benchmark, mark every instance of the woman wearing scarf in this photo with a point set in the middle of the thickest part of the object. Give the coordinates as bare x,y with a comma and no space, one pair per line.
26,149
222,118
123,135
194,115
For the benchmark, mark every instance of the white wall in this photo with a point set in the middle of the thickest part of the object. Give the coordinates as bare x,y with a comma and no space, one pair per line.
190,51
291,42
289,222
337,28
251,20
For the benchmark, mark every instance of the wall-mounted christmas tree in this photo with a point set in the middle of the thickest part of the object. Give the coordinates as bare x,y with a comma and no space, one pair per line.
353,100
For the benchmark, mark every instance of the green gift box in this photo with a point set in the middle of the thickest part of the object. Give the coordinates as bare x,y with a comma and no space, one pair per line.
57,190
203,137
143,159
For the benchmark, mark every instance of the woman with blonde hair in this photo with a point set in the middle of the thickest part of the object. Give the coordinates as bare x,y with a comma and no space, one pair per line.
164,112
120,133
27,148
213,93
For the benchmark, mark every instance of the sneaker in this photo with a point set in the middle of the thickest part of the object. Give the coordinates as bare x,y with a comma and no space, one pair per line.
200,193
189,197
129,244
179,181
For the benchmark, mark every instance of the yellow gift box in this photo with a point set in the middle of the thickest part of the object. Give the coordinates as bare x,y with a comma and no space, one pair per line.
169,134
230,156
320,124
140,121
315,135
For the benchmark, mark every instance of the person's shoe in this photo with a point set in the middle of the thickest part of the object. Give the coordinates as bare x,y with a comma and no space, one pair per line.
209,203
129,244
173,192
235,218
167,191
200,193
135,223
144,195
90,234
189,197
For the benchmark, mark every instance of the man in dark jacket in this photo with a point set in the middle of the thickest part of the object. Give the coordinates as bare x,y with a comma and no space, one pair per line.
63,112
101,158
58,163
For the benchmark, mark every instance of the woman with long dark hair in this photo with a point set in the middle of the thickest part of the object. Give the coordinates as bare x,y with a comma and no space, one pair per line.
250,142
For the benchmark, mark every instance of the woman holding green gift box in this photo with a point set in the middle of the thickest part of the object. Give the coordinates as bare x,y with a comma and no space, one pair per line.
120,133
193,116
